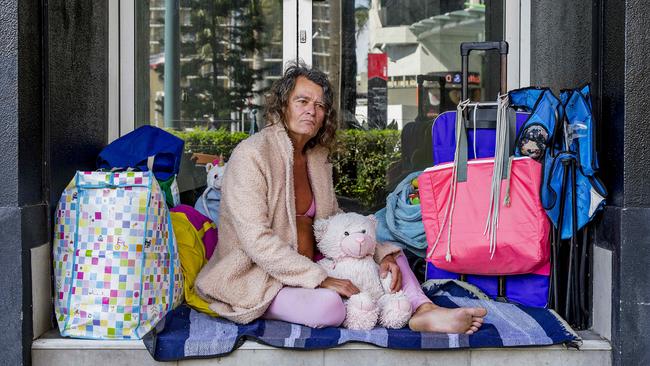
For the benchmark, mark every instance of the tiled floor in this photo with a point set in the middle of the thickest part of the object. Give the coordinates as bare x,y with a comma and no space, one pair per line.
52,350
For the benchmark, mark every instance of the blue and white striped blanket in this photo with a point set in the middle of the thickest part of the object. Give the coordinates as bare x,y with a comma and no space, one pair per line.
186,333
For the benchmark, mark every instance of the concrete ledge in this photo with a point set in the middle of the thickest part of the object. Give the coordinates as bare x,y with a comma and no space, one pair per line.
53,350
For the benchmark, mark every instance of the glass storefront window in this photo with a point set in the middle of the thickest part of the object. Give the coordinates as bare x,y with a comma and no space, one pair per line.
375,51
229,53
392,63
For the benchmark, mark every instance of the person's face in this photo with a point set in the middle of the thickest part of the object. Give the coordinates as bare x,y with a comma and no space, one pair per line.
305,111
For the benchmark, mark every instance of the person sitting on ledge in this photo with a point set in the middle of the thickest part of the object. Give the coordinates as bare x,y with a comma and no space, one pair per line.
277,183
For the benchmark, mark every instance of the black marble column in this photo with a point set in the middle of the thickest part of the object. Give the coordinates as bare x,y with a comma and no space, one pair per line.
605,42
53,118
626,227
22,211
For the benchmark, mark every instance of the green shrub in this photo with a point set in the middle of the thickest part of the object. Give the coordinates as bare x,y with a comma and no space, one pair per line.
210,141
360,158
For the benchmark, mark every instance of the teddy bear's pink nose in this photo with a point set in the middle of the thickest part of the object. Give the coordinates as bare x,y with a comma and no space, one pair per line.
358,245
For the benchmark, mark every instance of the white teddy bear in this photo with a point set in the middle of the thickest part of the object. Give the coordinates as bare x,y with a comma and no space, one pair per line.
215,172
347,241
208,203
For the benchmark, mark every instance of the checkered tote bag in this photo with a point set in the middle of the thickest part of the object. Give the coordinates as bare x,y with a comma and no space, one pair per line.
117,270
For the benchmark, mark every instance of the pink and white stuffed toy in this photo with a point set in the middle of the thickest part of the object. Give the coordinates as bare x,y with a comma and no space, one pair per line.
347,240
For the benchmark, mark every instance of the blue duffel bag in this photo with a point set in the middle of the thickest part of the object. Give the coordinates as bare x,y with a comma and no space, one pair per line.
147,148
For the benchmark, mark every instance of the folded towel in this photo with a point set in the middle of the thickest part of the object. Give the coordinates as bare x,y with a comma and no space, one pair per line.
400,221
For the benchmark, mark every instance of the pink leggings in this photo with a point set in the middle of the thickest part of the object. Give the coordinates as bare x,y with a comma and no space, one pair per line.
321,307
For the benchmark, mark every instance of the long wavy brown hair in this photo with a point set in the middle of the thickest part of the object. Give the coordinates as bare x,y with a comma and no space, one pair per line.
278,98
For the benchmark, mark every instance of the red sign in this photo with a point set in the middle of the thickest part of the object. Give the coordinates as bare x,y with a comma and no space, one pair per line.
378,66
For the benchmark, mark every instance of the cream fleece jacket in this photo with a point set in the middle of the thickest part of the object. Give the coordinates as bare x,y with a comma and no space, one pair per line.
257,251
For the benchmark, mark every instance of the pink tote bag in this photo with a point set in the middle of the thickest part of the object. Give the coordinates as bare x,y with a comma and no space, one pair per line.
522,235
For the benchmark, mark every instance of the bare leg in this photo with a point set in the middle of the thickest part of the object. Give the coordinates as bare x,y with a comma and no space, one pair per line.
429,317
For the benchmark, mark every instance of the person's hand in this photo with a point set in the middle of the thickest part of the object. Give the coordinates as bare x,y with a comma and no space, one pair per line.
344,288
388,264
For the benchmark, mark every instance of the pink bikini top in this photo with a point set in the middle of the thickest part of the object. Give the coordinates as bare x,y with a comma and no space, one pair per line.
311,212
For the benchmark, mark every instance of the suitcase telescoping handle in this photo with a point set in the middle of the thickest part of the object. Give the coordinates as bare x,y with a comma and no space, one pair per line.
467,47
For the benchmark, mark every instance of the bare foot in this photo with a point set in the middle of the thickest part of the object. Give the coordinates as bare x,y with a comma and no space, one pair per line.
432,318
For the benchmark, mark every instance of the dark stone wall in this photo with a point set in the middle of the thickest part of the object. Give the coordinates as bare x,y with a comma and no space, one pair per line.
30,96
78,87
560,43
605,42
637,104
493,32
611,96
14,337
8,101
21,164
609,107
623,78
631,296
53,117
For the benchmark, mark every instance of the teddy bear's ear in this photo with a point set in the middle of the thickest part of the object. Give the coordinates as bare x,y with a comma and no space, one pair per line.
373,219
208,166
320,227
